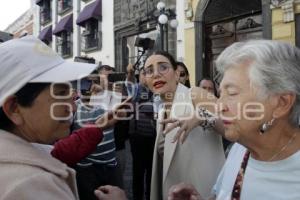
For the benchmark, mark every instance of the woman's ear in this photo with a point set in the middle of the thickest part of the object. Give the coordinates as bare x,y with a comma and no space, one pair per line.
11,109
284,105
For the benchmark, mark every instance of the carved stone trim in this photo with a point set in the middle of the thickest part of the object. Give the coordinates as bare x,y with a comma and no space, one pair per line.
21,22
288,11
287,7
250,23
277,3
220,32
202,5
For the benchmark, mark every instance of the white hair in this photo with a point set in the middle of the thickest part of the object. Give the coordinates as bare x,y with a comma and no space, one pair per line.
274,67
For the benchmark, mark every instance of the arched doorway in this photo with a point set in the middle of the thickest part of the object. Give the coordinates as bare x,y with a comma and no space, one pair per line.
220,23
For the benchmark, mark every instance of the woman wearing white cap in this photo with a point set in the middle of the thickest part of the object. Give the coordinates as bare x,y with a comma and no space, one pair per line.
34,110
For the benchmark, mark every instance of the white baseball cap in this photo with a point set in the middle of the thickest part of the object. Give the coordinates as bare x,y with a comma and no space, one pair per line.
29,60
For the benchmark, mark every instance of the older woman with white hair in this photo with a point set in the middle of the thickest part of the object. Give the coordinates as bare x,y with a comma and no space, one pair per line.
260,107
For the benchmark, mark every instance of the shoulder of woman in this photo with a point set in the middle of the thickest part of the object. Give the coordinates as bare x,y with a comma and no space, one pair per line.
44,184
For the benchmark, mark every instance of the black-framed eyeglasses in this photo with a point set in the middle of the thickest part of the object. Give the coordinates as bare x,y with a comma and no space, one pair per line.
162,69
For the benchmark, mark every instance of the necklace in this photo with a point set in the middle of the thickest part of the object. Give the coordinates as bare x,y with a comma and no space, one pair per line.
284,147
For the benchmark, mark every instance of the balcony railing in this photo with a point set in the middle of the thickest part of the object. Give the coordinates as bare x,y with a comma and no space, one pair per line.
91,41
64,48
64,6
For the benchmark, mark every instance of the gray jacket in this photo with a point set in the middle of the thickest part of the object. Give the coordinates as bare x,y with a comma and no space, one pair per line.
29,173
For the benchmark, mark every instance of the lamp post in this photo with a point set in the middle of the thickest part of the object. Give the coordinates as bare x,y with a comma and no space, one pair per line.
166,15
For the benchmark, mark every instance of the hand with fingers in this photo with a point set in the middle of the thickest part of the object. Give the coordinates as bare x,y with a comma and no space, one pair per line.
106,121
184,191
96,88
185,124
111,117
110,192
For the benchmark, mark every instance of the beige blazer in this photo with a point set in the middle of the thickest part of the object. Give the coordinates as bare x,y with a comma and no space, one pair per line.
197,161
28,173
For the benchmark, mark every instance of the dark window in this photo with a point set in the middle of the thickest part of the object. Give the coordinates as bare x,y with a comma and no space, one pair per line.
64,44
298,30
45,11
64,6
91,36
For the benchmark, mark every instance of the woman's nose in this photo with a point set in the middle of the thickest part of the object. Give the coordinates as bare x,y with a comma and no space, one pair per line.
221,106
156,72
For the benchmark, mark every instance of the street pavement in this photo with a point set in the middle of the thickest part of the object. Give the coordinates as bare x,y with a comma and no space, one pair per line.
128,172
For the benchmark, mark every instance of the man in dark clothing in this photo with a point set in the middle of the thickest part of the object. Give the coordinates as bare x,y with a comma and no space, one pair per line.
142,135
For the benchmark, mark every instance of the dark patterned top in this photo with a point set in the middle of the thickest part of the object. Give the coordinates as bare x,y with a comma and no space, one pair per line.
237,187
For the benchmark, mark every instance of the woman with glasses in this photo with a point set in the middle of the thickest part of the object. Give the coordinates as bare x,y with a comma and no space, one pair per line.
201,157
184,76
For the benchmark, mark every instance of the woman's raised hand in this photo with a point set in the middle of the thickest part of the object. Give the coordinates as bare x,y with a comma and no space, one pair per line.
185,124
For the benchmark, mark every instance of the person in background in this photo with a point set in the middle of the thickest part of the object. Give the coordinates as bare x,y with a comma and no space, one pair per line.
121,128
31,112
142,134
209,85
99,79
184,76
100,167
262,78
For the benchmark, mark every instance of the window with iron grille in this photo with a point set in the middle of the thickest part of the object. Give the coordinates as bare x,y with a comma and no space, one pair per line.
45,12
91,36
64,44
64,6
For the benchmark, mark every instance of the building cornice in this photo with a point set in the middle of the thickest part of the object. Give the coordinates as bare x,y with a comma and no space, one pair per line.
288,8
21,21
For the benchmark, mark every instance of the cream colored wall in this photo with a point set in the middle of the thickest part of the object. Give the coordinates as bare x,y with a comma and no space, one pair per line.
281,30
297,8
190,53
189,35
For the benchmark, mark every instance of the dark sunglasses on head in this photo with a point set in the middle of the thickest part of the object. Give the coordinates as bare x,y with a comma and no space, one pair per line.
182,74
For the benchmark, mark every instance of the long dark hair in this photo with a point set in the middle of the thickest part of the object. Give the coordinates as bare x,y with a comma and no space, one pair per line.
187,82
165,54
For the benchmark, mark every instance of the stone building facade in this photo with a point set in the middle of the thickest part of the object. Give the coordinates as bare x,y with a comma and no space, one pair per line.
212,25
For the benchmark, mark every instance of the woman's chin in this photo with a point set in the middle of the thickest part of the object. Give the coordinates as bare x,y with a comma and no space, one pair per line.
159,90
232,137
